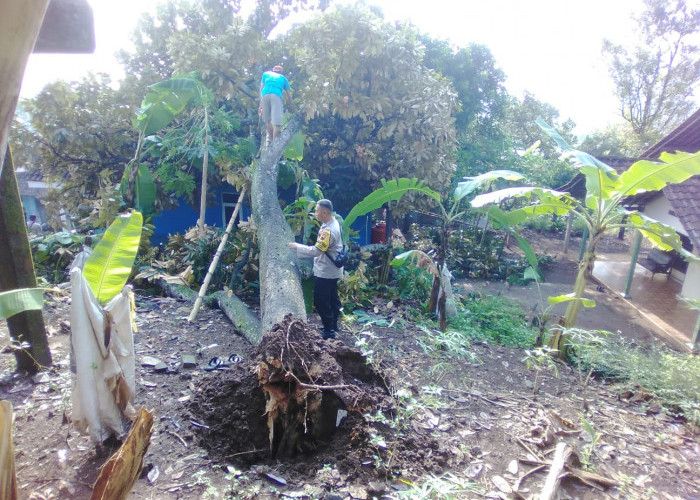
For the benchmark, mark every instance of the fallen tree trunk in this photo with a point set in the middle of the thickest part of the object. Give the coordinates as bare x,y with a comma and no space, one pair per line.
177,291
245,321
241,316
280,284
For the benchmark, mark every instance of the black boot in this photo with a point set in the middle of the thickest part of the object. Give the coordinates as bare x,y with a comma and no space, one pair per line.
327,332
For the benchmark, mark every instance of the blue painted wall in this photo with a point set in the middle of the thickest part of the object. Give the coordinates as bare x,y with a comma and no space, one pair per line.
183,217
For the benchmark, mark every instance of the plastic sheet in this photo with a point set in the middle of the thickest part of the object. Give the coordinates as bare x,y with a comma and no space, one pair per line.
102,346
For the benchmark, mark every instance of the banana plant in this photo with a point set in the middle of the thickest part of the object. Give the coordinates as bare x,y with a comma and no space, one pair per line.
164,102
602,209
109,265
393,190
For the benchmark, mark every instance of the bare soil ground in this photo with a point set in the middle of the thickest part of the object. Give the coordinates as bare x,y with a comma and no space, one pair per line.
483,419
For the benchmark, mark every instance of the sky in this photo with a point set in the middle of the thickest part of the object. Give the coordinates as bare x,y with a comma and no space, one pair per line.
550,48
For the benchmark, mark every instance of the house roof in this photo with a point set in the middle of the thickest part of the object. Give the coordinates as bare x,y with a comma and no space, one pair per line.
684,197
686,137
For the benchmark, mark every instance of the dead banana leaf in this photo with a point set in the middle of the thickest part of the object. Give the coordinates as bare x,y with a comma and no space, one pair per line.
121,471
8,480
416,258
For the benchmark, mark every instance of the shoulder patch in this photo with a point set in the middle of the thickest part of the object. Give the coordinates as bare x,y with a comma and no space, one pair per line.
323,242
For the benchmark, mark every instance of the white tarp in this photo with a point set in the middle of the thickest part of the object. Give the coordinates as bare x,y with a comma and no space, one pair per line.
450,306
102,343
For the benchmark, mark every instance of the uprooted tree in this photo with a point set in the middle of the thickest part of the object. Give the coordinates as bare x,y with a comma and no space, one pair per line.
371,108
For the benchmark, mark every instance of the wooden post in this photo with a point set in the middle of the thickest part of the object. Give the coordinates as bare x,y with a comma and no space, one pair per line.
694,341
567,235
19,26
562,454
217,256
633,263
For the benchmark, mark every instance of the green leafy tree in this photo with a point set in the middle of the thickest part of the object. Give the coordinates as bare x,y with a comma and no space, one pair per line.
602,209
655,79
472,70
201,132
618,141
369,101
543,167
451,211
80,136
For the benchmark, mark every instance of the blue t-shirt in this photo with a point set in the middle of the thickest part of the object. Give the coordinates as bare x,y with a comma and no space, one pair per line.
273,83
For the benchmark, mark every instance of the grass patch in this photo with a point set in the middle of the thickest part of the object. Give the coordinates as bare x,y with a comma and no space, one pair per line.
671,376
497,320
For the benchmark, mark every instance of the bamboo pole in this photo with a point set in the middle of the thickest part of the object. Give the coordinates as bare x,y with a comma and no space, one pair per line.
562,455
215,260
205,163
8,480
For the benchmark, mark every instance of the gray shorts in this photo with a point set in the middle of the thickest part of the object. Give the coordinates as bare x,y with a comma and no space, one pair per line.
272,109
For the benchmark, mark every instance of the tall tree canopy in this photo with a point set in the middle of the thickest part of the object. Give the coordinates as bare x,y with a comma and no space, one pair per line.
472,70
80,136
369,100
654,80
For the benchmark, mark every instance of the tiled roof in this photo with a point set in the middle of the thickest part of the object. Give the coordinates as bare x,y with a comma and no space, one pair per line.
685,200
685,197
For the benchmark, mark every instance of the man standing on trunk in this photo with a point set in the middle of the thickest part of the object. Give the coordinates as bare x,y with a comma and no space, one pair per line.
273,86
329,243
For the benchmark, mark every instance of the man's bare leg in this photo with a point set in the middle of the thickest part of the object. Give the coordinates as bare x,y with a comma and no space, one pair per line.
276,132
270,133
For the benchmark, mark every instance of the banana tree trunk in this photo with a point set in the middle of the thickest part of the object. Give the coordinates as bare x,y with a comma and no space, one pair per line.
17,271
280,284
585,270
558,340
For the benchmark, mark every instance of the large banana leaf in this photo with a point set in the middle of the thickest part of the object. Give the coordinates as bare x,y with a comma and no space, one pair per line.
390,191
651,176
145,190
569,297
471,183
295,148
164,101
660,234
108,267
20,300
514,192
601,179
416,258
504,220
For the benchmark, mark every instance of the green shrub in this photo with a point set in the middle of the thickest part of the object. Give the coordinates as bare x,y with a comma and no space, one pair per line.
54,253
413,283
193,249
494,319
547,223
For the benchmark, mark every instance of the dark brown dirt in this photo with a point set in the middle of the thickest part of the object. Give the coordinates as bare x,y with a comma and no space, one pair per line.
426,413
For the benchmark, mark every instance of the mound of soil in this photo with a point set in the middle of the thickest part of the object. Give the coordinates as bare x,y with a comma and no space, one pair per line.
290,398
